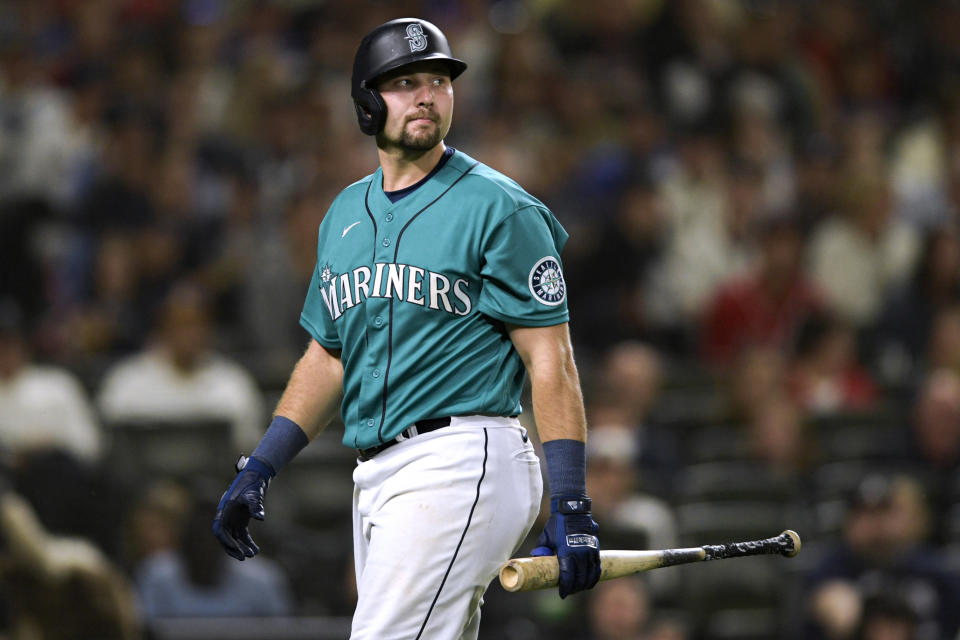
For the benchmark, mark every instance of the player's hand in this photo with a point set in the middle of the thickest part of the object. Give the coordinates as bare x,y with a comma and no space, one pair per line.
571,533
242,500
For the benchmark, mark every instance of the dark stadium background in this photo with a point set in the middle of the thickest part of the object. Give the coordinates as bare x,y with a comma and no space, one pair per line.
763,276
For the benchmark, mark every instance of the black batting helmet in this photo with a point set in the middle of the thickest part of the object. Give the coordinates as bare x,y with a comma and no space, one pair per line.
390,46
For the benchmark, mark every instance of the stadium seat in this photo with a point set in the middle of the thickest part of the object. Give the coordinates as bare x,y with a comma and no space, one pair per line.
179,449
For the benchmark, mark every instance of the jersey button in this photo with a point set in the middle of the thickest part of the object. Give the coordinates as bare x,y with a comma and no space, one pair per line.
376,373
388,217
386,242
378,321
370,422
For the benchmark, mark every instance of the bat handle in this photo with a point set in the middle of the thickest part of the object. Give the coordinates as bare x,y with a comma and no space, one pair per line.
786,544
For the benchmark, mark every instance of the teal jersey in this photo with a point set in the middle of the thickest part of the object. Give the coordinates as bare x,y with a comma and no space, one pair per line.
416,295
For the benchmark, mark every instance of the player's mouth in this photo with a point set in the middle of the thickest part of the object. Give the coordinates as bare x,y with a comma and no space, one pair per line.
422,119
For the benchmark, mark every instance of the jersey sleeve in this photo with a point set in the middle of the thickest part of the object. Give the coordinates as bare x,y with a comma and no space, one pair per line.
522,275
315,318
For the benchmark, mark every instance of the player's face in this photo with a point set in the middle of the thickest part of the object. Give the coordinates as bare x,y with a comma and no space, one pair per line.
419,102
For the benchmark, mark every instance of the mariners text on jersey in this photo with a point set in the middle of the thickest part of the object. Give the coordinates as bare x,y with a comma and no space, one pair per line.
404,282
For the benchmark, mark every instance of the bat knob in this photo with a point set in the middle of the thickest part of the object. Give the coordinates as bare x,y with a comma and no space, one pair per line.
792,544
511,577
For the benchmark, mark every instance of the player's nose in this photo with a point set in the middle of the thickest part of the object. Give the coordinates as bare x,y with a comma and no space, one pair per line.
425,94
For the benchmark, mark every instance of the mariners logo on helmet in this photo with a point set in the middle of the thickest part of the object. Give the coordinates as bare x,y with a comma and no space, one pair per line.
546,281
416,37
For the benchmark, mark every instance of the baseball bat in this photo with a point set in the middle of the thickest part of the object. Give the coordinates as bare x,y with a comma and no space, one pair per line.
527,574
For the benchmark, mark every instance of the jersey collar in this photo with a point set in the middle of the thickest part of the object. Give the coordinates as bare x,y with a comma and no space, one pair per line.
427,192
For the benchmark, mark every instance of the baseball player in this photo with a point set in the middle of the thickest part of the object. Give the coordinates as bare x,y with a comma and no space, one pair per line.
438,285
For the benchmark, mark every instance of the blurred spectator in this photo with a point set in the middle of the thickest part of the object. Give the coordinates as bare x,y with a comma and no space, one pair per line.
632,518
712,209
837,608
110,321
856,258
689,51
622,609
238,240
778,438
63,587
766,82
816,181
625,394
274,271
629,382
666,628
757,138
180,377
23,268
825,373
757,372
695,206
883,552
935,440
936,421
766,305
191,579
863,136
907,319
609,309
119,197
925,173
73,497
888,617
619,610
48,136
41,407
942,350
155,522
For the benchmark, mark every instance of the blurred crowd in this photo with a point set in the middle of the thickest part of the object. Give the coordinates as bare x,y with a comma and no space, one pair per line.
763,198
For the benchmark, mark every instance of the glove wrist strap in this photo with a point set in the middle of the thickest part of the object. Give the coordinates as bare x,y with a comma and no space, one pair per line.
255,464
571,504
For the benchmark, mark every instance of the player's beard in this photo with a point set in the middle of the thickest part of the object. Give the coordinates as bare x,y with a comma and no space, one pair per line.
415,141
418,140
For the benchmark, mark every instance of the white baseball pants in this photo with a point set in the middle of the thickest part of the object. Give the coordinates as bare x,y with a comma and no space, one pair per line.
434,517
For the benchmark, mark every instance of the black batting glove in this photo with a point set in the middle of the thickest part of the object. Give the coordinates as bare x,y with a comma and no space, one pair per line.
242,500
571,533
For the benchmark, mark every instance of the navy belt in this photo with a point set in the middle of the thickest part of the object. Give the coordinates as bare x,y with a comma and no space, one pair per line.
422,426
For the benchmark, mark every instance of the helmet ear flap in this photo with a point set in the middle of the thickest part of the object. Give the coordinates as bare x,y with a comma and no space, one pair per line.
371,109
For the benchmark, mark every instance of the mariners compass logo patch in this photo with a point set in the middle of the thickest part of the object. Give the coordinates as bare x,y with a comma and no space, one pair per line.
546,281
